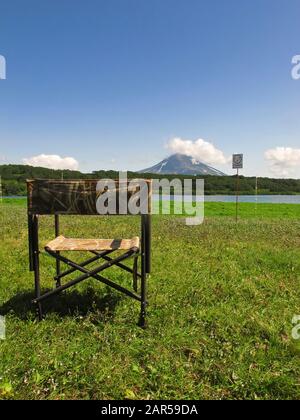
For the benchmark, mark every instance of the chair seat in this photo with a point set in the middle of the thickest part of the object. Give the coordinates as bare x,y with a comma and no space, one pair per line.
67,244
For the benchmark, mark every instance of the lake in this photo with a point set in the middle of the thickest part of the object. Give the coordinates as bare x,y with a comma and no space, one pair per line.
268,199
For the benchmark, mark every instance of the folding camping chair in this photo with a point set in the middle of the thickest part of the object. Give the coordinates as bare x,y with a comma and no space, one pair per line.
52,197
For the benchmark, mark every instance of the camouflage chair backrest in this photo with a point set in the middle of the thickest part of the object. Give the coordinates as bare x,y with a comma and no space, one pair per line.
79,197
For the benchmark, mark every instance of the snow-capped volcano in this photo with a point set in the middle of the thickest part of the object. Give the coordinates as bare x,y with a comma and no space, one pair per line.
182,165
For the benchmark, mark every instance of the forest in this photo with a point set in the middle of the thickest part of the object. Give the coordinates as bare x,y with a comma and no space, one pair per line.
13,180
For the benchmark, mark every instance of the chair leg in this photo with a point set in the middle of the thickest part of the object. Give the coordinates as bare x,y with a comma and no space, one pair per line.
142,320
37,284
144,256
58,271
135,273
36,264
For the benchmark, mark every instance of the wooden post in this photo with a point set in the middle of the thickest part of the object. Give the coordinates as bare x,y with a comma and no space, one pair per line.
256,194
237,194
237,163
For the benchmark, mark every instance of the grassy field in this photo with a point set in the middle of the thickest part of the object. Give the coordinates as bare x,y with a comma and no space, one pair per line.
222,298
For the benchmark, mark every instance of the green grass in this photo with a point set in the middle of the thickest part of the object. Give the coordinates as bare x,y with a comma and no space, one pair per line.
246,210
16,201
250,210
222,298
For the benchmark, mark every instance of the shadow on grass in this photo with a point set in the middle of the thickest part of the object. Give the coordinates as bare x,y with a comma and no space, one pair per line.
71,303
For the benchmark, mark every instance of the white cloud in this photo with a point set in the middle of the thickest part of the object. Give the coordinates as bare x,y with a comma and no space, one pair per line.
52,162
199,149
283,160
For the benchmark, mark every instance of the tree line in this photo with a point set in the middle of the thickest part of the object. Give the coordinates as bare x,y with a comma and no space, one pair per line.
14,177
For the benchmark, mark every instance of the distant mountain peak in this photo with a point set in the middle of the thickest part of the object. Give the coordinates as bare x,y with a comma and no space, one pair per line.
179,164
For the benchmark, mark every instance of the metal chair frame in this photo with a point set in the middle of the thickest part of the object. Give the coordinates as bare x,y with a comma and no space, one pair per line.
143,252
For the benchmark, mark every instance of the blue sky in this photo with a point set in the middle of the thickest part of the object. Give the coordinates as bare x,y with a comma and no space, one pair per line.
110,83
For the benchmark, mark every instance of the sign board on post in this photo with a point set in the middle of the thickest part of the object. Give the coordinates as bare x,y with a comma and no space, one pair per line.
238,161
